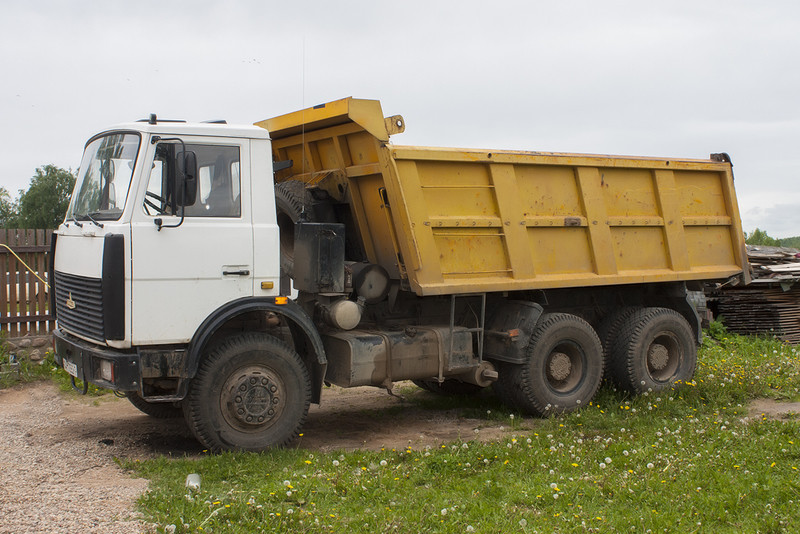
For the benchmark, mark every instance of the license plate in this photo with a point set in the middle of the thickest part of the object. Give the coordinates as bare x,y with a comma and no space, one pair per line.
71,368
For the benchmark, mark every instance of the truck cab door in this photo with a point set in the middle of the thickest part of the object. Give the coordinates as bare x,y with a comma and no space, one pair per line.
187,261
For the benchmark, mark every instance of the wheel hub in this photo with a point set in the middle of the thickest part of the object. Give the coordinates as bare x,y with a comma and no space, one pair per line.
657,357
560,366
255,398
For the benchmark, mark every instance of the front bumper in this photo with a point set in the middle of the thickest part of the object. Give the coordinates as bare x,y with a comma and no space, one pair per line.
102,366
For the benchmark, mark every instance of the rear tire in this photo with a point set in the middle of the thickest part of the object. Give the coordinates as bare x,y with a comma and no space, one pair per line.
159,410
564,367
655,349
251,393
608,332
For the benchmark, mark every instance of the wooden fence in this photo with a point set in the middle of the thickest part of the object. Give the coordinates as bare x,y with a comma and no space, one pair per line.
24,298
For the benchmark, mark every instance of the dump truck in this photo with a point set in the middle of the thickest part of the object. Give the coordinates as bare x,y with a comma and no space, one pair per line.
229,273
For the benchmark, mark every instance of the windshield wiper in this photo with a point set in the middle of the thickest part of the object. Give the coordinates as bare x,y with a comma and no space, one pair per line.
90,218
73,219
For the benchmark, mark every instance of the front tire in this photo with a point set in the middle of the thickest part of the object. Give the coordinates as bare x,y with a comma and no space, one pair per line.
564,366
251,393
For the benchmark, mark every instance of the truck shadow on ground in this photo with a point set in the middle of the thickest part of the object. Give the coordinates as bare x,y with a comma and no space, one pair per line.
346,419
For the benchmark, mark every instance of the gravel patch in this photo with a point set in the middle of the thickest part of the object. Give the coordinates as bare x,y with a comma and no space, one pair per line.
54,479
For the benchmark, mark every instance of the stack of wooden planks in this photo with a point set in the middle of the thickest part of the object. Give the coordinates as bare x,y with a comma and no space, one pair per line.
773,264
771,303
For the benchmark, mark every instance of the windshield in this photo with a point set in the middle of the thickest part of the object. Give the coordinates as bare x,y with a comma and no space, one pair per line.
104,177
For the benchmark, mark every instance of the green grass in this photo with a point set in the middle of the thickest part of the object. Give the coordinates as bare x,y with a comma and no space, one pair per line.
688,460
16,370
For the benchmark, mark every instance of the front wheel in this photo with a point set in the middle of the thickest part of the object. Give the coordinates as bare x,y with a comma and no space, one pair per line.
564,366
251,392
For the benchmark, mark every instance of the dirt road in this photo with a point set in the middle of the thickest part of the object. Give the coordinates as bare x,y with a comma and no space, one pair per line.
57,469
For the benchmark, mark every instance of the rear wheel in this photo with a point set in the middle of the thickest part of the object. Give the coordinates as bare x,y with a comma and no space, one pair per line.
655,349
609,329
252,393
159,410
564,366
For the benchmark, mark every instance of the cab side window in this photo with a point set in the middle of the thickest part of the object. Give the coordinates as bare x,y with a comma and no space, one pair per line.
219,183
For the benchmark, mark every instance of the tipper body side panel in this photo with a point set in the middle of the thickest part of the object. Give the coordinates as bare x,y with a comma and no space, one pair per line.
453,221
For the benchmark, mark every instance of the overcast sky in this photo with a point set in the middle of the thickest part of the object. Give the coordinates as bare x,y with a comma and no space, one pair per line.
676,78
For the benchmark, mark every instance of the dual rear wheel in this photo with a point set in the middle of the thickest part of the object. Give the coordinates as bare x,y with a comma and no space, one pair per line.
640,349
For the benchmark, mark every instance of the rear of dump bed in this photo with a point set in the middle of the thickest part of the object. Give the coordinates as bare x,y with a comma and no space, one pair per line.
451,221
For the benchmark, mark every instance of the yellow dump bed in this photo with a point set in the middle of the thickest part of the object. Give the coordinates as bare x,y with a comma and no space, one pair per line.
458,221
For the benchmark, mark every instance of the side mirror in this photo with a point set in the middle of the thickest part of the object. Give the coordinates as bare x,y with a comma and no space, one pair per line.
186,186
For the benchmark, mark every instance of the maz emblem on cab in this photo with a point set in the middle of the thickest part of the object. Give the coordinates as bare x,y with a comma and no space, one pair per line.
70,302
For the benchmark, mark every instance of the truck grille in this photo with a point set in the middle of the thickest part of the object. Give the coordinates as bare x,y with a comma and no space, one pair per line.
79,305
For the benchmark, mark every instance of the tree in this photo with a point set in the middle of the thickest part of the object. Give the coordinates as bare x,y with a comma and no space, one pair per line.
45,202
760,237
793,242
8,210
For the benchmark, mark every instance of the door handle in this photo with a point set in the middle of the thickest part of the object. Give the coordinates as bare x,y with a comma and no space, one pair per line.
243,272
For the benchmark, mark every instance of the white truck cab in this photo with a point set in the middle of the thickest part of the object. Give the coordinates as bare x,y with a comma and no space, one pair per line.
126,195
156,261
